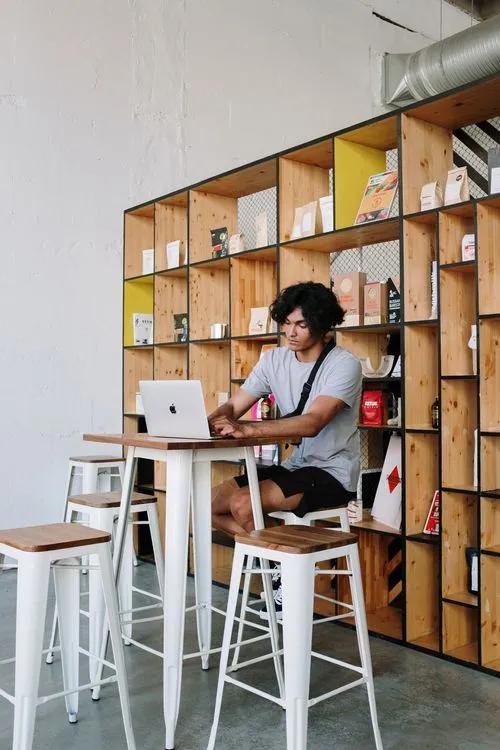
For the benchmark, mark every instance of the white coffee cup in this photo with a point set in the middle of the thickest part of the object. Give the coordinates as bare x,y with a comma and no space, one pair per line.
218,330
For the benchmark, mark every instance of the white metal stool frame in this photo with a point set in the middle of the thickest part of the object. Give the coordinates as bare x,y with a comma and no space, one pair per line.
298,573
289,517
105,519
33,570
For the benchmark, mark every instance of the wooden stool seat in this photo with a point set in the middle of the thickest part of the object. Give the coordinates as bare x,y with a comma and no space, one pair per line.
299,540
52,536
110,499
96,459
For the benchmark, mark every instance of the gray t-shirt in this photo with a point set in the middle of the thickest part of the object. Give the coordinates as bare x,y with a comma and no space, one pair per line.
336,447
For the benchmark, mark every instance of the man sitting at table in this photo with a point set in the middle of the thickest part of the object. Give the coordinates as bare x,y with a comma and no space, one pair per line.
323,470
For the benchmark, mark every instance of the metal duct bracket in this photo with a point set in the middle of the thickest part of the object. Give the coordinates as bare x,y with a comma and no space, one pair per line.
459,59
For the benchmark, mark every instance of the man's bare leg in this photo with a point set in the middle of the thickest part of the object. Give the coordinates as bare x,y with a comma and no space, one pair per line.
222,518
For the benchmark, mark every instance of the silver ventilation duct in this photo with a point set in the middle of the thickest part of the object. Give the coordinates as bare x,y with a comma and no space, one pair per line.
454,61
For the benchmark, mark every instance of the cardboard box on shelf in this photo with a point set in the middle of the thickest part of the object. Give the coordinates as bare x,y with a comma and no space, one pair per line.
348,288
375,302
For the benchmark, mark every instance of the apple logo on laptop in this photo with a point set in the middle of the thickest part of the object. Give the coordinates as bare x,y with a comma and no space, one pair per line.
173,410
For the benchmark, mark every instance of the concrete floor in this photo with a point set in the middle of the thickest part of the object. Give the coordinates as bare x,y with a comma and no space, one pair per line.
423,703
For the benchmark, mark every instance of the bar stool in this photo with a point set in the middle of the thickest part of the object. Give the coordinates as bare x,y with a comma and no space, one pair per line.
37,549
101,511
90,467
298,549
290,519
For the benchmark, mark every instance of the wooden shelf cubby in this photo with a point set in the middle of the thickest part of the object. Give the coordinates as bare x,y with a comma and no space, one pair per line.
137,365
359,153
420,249
210,363
490,524
454,222
489,382
488,253
170,298
381,568
459,518
171,224
217,203
422,595
490,612
421,375
139,236
422,478
415,584
253,284
138,297
460,632
459,420
208,297
458,312
490,463
304,176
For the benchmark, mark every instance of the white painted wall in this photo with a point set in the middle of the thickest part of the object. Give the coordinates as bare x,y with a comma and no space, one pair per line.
106,104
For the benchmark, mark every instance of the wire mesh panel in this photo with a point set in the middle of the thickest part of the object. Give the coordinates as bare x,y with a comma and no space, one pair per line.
379,262
470,149
249,207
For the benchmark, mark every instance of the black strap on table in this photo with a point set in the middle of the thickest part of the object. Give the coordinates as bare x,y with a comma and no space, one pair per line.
306,389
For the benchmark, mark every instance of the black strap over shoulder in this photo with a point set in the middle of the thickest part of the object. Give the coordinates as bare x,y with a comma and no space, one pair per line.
306,389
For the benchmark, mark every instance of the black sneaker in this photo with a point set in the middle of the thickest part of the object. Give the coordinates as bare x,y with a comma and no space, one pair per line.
278,604
275,578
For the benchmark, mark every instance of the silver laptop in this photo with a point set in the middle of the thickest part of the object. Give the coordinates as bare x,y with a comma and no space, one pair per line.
174,408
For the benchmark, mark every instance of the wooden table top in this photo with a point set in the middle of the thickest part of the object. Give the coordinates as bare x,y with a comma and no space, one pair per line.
143,440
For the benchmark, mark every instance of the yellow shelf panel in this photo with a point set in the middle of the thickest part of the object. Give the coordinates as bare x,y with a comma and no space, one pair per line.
354,163
137,298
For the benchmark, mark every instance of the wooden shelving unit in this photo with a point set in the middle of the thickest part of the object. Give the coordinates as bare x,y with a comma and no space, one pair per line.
416,585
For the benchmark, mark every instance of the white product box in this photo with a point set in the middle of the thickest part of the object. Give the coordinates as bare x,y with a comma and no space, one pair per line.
326,207
148,261
172,251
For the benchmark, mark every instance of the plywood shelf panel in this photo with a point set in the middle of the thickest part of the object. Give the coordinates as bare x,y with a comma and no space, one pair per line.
427,155
459,531
422,478
207,212
421,374
139,236
490,609
490,463
300,183
463,106
381,567
210,364
253,284
170,224
209,300
244,181
170,299
452,227
458,313
359,235
170,363
489,348
137,365
490,524
422,592
419,252
488,241
460,632
303,265
244,356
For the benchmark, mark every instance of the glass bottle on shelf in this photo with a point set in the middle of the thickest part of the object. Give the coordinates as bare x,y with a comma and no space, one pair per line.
435,414
265,408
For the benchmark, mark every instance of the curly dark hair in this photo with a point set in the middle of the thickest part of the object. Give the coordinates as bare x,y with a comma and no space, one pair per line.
319,306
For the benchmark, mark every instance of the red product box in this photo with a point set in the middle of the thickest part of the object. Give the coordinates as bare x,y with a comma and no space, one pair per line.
373,409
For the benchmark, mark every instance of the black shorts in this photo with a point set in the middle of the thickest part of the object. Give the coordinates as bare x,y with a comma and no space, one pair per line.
321,489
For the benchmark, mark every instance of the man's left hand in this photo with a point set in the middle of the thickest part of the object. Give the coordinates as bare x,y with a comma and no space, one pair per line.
231,427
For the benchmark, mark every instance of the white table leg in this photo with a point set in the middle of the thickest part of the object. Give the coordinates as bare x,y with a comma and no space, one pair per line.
202,540
179,477
119,544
